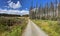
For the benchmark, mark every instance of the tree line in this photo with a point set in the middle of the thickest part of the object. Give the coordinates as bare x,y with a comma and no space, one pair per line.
50,11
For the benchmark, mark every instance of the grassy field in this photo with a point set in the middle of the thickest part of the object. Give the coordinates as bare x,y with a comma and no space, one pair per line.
52,28
12,26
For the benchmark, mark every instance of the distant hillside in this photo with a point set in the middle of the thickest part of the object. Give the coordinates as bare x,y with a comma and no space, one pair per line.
12,15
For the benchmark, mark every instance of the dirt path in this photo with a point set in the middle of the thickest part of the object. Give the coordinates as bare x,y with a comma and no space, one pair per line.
33,30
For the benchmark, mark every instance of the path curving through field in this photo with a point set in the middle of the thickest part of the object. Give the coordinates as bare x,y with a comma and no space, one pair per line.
33,30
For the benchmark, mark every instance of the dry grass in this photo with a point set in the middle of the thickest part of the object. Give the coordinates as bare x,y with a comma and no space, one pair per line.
50,27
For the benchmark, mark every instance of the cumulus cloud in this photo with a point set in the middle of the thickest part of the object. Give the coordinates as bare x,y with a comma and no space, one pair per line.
23,12
18,12
14,5
9,1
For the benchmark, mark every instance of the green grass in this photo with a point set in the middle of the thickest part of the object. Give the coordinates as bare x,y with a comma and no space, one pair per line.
14,27
52,28
16,31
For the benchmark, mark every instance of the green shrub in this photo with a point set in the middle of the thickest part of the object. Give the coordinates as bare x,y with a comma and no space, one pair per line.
12,26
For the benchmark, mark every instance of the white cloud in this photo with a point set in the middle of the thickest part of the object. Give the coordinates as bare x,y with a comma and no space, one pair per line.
18,12
9,1
14,5
23,12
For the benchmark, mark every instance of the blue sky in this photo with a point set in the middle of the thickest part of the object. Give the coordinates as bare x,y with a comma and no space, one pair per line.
20,6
